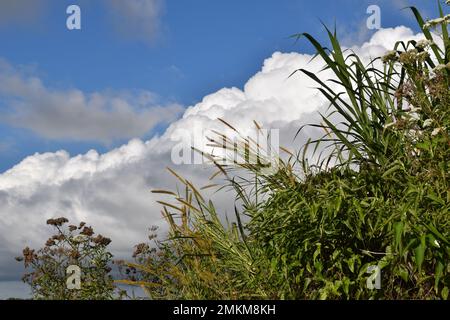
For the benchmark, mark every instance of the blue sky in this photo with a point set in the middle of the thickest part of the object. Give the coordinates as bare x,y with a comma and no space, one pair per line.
196,48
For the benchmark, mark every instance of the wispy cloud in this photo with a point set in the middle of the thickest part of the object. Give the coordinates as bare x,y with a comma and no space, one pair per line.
137,19
71,114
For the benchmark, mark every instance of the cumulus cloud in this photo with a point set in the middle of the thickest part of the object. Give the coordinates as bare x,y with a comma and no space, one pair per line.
71,114
111,190
136,19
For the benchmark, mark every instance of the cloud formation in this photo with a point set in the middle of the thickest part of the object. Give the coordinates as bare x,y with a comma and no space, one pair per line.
26,102
111,190
136,19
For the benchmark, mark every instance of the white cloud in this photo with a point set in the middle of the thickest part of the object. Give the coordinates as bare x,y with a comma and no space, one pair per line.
71,114
387,38
111,191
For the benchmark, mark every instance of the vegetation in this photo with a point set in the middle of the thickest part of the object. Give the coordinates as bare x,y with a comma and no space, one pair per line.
378,195
71,246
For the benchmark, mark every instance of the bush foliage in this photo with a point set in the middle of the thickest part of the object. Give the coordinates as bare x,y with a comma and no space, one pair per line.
70,246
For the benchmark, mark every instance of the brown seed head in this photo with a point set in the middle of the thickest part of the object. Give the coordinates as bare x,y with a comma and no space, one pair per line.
87,231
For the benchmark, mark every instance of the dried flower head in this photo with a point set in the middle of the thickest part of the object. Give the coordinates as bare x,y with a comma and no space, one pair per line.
29,255
389,56
59,237
424,43
50,242
88,231
140,248
57,222
74,254
101,240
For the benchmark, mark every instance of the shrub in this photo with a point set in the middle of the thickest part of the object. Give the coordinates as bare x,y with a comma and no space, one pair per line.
71,245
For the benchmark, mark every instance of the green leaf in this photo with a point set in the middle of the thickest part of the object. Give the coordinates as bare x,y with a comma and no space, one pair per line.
444,293
419,253
403,273
437,275
396,167
398,229
437,234
435,198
